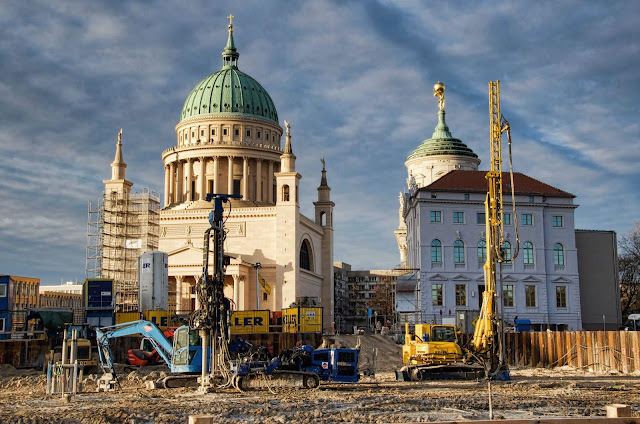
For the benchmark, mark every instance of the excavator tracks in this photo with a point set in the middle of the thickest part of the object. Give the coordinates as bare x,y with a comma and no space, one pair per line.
279,379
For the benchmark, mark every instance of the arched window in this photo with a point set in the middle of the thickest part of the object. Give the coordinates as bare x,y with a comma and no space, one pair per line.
506,248
458,252
305,256
436,251
527,251
558,254
285,193
482,252
323,219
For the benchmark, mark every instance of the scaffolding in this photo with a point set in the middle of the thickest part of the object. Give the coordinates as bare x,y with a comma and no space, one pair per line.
122,227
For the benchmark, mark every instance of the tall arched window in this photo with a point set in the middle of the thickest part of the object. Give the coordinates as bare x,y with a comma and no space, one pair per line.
305,256
458,251
507,251
285,193
436,251
482,252
527,252
558,254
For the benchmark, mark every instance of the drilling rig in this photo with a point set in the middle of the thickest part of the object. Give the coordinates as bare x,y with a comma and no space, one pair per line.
433,350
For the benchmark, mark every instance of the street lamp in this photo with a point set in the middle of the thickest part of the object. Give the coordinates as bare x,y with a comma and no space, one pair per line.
257,267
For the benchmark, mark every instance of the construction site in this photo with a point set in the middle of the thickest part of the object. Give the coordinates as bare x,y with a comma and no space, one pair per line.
534,394
132,355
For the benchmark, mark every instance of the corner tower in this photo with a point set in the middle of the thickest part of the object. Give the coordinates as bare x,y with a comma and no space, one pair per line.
324,217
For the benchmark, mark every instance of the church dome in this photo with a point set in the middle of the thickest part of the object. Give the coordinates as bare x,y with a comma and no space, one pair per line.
442,143
229,93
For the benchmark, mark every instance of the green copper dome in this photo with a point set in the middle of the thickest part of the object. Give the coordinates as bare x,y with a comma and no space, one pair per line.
229,93
442,143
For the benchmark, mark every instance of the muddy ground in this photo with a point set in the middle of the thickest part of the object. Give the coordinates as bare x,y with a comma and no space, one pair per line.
531,393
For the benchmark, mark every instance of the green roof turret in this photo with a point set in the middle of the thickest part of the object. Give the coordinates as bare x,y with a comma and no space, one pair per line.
441,141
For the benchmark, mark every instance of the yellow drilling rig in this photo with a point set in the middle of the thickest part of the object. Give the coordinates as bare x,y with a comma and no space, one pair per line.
432,350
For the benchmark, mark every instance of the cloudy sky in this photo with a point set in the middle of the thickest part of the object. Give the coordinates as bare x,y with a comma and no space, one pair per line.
354,79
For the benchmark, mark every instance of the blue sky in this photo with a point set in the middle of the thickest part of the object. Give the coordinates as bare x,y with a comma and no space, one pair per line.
354,79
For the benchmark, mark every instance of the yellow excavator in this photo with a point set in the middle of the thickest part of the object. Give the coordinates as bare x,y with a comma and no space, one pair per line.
432,350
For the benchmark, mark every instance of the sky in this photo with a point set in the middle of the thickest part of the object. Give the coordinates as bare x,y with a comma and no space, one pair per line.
353,78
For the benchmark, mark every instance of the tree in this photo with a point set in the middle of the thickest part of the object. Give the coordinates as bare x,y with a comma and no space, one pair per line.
629,271
384,300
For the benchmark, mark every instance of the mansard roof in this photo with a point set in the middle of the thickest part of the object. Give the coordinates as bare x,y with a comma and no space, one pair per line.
475,181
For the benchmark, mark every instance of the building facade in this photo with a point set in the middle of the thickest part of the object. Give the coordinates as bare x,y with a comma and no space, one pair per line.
228,141
445,239
366,298
18,295
599,285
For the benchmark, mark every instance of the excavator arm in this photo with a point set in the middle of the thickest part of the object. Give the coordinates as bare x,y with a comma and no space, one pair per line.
146,328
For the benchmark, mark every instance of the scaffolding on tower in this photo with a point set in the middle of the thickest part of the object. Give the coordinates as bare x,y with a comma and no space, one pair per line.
120,228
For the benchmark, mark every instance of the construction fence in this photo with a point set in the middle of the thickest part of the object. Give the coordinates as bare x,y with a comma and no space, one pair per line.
594,351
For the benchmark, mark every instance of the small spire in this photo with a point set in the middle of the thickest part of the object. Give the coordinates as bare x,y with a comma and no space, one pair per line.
323,180
230,54
118,165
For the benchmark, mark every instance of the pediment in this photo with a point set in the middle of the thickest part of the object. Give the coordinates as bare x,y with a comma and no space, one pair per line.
480,279
461,278
438,277
509,279
561,280
185,255
531,279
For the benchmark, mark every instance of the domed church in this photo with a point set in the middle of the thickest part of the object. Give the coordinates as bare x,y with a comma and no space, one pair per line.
229,141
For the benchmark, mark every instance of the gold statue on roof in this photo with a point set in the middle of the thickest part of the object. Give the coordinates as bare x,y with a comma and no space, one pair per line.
438,91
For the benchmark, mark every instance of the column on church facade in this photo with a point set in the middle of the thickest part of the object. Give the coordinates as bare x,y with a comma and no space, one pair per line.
180,182
166,184
270,183
188,192
236,291
172,183
216,163
245,178
258,180
195,279
179,294
230,176
203,178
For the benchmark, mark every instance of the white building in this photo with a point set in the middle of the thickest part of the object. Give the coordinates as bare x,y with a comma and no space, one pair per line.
228,141
445,239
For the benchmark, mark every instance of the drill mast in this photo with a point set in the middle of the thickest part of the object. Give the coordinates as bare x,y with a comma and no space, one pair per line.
487,338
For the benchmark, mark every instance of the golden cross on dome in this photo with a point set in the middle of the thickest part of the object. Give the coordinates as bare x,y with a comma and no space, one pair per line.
230,17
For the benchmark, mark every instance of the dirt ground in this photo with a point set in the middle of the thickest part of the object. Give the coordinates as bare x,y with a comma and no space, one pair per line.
531,393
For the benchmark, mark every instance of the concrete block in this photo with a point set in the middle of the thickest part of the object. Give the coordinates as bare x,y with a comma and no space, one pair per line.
618,410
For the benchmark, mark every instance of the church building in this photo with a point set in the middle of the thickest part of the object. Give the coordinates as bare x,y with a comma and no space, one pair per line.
229,141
